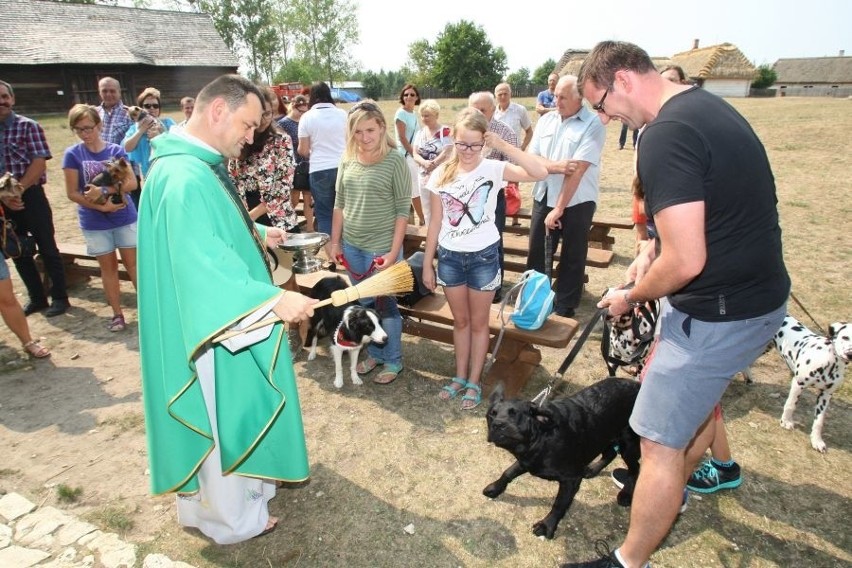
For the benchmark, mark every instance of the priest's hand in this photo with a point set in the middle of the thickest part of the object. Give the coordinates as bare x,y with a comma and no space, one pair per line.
293,307
275,236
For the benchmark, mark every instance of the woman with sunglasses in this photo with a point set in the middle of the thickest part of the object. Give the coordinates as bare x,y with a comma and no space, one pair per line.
108,224
301,178
464,237
137,140
368,227
263,175
406,126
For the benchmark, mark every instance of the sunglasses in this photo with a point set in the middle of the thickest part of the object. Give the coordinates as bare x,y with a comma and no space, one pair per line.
151,105
410,95
461,146
367,106
600,106
302,104
83,129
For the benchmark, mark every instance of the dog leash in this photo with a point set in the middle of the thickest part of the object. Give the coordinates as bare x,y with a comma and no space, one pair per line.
542,397
374,264
804,309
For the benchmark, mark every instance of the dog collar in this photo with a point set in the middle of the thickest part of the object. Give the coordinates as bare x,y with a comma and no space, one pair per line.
340,341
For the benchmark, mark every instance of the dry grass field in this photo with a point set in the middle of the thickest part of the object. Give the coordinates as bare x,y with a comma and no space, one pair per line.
386,457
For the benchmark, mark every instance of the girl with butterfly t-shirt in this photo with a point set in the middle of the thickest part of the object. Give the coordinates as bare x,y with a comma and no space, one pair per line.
464,237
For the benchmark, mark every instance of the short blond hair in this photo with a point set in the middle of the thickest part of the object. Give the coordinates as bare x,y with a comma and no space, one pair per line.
430,105
80,111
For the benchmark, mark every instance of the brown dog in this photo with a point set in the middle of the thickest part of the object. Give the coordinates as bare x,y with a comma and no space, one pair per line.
116,171
10,187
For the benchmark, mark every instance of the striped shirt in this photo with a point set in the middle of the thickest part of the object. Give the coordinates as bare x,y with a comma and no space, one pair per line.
372,197
505,132
114,123
23,141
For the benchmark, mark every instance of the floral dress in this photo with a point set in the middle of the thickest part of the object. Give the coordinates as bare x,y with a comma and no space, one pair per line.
267,177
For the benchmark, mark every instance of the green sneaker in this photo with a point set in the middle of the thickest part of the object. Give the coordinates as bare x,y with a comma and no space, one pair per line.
708,478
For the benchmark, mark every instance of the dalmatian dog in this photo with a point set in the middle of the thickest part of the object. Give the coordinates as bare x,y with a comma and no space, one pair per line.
817,362
627,339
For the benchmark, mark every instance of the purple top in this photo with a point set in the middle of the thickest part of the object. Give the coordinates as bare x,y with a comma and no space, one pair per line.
88,165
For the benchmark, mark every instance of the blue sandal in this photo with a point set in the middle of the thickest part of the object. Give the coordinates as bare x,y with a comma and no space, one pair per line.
454,392
476,399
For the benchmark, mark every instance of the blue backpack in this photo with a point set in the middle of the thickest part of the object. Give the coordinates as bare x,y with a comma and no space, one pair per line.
534,300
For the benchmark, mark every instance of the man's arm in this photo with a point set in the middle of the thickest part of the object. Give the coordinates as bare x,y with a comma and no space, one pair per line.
527,137
304,147
681,259
569,188
33,172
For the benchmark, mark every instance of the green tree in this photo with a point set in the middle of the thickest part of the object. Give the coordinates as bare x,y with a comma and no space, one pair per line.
539,76
326,29
519,79
766,77
421,59
257,35
372,85
465,60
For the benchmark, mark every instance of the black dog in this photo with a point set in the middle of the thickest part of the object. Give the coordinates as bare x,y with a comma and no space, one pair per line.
559,440
351,326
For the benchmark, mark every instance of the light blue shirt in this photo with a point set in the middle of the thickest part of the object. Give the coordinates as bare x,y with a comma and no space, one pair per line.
409,119
578,137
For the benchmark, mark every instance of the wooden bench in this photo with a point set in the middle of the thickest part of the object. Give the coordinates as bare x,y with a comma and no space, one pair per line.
518,355
79,265
599,232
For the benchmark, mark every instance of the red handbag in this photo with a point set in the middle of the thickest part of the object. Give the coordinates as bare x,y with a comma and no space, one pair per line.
513,199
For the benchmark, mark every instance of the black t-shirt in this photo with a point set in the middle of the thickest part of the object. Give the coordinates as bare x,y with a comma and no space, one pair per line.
700,149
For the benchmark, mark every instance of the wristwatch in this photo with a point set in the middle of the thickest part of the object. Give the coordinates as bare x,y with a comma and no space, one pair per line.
631,303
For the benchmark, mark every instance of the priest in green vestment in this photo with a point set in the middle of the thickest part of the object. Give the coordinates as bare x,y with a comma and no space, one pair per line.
223,420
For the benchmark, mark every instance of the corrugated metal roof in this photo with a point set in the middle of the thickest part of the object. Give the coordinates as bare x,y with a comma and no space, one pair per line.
49,32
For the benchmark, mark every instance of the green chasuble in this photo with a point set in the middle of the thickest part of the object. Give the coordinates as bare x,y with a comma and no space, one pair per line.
201,269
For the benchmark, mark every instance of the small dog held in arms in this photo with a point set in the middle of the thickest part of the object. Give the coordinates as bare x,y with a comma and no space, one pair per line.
350,327
559,440
116,171
10,187
627,339
815,361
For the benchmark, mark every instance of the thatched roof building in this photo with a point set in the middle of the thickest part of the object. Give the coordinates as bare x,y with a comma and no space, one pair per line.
61,50
830,76
721,69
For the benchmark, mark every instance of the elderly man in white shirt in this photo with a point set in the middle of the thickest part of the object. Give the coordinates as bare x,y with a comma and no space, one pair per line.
572,139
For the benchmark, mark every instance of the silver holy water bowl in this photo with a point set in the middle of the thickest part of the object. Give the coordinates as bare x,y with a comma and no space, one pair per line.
304,247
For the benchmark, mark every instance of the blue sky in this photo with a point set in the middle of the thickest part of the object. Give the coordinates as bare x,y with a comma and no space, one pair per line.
764,30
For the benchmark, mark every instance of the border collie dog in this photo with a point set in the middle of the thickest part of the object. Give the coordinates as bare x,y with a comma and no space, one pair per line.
350,327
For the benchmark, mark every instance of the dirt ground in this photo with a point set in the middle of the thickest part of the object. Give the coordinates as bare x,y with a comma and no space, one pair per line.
386,458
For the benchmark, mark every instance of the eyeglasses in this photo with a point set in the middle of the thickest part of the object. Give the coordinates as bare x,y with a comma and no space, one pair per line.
151,105
367,106
600,106
267,114
83,129
409,94
462,147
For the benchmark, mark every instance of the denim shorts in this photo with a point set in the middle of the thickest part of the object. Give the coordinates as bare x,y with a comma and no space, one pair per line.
478,270
4,269
107,240
693,364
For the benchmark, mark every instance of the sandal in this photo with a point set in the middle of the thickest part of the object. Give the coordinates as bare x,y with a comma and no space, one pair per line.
453,392
367,365
36,350
271,525
476,399
117,323
388,374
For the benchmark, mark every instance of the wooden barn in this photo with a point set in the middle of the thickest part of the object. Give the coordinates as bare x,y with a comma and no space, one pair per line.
61,51
814,76
721,69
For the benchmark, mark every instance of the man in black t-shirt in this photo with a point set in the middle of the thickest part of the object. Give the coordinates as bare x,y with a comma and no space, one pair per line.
710,191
